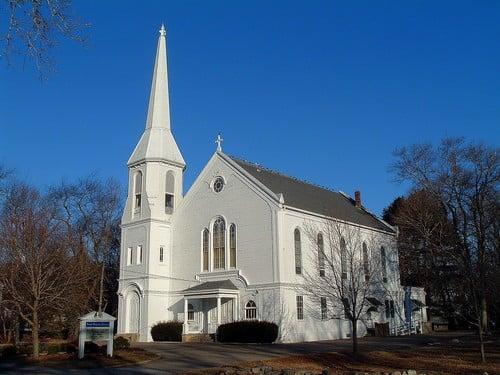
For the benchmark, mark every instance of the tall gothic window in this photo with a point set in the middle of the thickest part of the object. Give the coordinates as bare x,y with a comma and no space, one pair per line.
232,246
321,255
206,235
343,258
366,265
298,252
324,308
383,259
137,190
169,192
219,243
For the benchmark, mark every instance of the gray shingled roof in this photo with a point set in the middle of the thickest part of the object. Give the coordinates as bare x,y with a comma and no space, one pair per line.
309,197
211,285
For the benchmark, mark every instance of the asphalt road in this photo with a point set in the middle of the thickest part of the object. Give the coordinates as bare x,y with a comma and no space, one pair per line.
177,358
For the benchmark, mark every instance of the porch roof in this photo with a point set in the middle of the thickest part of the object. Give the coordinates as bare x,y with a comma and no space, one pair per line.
212,287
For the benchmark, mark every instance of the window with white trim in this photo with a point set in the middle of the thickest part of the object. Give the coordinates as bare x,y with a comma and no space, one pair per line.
169,192
250,310
219,243
139,254
137,191
300,307
190,312
298,251
205,250
383,260
232,246
321,255
343,258
162,254
324,308
366,264
130,256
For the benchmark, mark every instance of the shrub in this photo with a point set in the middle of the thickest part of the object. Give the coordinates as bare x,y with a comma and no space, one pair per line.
121,343
167,331
248,331
9,351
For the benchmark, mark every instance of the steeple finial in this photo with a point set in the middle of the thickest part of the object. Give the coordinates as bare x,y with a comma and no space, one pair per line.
219,141
163,32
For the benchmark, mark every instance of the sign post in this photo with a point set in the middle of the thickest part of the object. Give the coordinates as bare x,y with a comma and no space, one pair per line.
96,327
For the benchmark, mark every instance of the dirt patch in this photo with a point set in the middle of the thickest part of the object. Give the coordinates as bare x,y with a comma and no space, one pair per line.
121,357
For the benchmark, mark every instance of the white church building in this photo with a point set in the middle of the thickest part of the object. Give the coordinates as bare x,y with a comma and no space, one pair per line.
233,246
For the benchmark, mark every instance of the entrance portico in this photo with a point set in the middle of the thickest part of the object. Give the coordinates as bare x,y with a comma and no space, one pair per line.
208,305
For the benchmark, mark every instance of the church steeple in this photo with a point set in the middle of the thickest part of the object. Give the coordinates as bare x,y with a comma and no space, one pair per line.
157,142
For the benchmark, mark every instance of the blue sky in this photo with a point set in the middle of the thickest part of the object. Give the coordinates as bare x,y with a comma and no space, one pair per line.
321,90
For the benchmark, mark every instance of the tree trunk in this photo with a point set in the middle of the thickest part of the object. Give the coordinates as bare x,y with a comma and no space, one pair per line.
354,337
101,289
481,341
34,331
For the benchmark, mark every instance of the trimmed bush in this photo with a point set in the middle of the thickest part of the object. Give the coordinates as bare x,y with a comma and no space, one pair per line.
121,343
247,331
9,351
167,331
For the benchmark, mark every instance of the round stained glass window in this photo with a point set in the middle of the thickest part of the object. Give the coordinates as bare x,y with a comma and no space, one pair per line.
218,184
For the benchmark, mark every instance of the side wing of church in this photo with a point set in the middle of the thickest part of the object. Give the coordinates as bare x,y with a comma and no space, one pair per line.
234,246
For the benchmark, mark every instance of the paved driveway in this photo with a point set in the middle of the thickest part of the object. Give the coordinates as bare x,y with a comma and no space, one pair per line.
178,358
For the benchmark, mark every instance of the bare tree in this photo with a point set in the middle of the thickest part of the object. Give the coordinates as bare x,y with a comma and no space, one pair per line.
39,278
345,273
90,209
33,28
465,179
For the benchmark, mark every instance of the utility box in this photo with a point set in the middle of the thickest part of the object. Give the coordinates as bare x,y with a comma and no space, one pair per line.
96,326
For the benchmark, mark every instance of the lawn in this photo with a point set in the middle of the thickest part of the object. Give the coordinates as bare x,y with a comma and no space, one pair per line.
447,358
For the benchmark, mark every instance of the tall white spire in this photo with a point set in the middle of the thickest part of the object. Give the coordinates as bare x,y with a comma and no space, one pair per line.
159,106
157,141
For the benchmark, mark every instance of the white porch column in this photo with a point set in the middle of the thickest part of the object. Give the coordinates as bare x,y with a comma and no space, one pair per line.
235,309
185,325
218,310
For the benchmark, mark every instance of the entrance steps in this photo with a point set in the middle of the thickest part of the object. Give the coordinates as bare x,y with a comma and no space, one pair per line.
197,337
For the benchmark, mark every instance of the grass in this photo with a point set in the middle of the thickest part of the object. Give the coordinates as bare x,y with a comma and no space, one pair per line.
447,358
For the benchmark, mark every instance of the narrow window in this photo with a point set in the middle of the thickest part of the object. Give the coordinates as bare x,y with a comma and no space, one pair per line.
130,256
138,191
391,305
366,265
387,309
219,243
169,192
250,310
205,249
298,252
190,312
321,255
161,254
232,246
324,309
343,258
139,254
300,307
383,259
347,308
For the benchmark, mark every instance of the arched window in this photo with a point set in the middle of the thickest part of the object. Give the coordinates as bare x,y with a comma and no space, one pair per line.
298,252
321,255
251,310
366,265
343,258
137,190
219,243
232,246
205,240
383,260
190,312
169,192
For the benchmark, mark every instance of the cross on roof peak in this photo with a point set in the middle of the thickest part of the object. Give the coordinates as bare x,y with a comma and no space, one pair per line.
219,141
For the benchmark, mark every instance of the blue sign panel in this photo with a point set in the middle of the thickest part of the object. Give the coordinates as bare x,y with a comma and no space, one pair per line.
96,324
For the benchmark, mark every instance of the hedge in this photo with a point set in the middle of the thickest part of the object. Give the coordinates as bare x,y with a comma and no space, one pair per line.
167,331
248,331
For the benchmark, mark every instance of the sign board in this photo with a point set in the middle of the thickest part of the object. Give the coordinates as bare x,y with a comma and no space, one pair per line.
96,326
